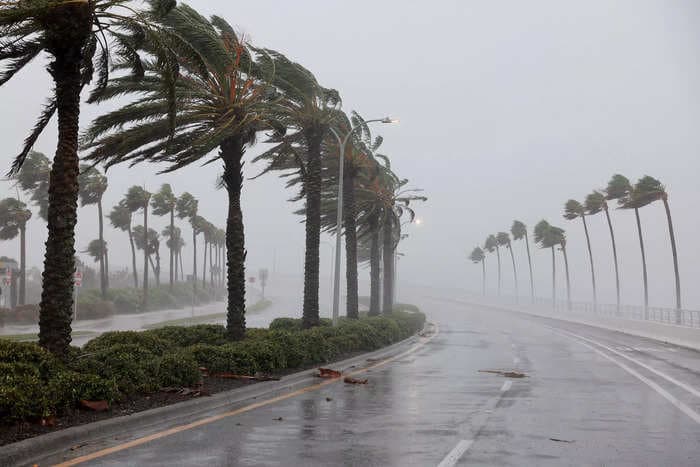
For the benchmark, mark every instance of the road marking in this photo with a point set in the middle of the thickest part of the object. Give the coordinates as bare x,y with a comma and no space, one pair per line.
665,394
456,453
506,386
671,379
248,408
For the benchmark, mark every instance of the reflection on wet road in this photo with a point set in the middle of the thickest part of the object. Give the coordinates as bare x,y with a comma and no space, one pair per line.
575,406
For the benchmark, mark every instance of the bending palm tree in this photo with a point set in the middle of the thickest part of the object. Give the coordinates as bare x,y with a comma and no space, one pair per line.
33,178
574,210
138,198
121,217
150,243
187,207
92,186
14,216
164,203
595,203
491,245
560,238
546,237
503,239
519,232
477,256
174,243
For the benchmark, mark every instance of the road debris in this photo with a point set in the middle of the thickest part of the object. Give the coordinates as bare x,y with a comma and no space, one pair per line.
507,374
327,373
328,399
256,377
97,406
561,440
279,419
78,446
350,380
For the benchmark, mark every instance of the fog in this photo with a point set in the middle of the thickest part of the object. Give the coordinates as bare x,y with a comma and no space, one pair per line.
507,110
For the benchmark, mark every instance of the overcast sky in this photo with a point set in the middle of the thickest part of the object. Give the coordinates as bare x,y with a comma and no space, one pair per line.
507,109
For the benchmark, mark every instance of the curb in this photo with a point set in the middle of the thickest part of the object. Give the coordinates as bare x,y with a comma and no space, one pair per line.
40,447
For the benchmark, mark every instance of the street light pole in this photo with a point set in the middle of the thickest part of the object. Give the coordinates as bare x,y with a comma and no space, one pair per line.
342,142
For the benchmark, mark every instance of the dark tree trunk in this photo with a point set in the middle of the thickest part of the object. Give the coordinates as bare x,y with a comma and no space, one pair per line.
103,275
67,33
590,257
498,255
211,265
388,250
182,267
313,185
483,277
374,264
350,220
194,260
156,271
515,271
133,255
231,153
173,264
204,264
13,290
529,263
644,265
614,248
554,280
674,252
568,282
23,264
106,252
144,306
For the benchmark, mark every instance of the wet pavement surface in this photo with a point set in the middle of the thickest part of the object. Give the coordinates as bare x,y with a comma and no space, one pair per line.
576,406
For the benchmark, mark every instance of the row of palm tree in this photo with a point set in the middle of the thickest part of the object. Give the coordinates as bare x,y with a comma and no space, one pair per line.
200,93
644,192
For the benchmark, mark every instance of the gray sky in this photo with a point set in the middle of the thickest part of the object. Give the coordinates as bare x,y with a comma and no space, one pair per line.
507,108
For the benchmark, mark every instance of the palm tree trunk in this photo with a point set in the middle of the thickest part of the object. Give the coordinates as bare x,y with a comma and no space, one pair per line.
133,255
211,264
590,257
529,263
614,248
483,276
674,252
182,267
498,254
144,306
22,264
515,271
644,265
106,252
350,244
173,264
374,265
554,280
313,185
56,307
568,282
157,269
194,260
103,278
204,265
388,251
232,154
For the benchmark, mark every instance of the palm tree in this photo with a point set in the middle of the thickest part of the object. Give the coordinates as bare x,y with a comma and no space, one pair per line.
92,186
72,33
33,178
646,191
14,216
97,250
222,97
120,218
491,245
546,237
174,243
595,203
620,189
519,232
164,203
503,239
151,243
477,256
575,210
187,207
560,239
309,109
138,198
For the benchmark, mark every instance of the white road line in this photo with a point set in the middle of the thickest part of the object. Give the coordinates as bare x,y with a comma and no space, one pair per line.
506,386
665,394
456,453
671,379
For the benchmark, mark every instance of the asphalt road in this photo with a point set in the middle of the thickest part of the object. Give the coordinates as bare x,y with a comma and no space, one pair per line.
590,397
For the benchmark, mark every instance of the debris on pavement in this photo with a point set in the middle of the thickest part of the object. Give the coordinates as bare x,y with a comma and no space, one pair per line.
97,406
328,399
256,377
507,374
78,446
561,440
327,373
350,380
279,419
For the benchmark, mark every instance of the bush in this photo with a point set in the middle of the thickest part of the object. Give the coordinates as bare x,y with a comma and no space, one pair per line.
285,324
146,340
178,369
133,367
224,359
22,396
69,387
181,336
28,353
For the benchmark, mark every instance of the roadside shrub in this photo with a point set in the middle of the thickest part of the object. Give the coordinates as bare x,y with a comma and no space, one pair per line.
28,353
91,305
405,307
285,324
178,369
22,396
68,387
185,336
125,300
227,358
267,354
295,353
133,367
160,299
257,333
146,340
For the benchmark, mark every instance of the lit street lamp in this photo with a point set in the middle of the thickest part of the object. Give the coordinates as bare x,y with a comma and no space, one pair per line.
342,142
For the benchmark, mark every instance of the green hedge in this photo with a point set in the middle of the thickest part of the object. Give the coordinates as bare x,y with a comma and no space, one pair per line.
120,364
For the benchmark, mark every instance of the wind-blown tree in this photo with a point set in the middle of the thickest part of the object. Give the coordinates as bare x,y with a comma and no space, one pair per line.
308,109
138,198
33,178
503,240
92,186
175,243
222,97
547,236
72,33
163,203
187,207
619,188
477,256
575,210
595,203
491,245
519,232
207,228
560,238
14,216
646,191
151,244
121,217
97,250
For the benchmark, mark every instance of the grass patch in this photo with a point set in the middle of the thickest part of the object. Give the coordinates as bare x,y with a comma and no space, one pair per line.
203,319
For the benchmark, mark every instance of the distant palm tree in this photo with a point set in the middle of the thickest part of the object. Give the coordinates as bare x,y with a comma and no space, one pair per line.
164,203
477,256
619,188
503,240
175,243
187,208
97,250
575,210
33,178
138,198
546,237
92,186
595,203
646,191
120,218
14,216
151,242
519,232
491,245
560,238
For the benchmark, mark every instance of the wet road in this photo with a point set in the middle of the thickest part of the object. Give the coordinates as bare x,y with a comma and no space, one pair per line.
591,397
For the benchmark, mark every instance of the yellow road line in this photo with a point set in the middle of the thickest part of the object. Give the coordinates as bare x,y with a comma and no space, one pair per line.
247,408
